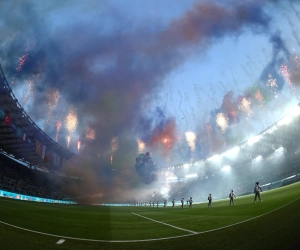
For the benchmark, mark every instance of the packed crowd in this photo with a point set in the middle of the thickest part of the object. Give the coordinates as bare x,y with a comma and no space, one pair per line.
15,177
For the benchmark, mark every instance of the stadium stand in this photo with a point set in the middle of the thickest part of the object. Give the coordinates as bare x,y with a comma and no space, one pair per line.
17,178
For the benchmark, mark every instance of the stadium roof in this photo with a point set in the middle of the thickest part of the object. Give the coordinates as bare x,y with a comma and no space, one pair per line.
21,137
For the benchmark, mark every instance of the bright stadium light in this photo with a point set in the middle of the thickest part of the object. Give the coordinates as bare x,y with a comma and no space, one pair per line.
280,149
295,111
285,120
254,139
226,168
272,129
189,176
233,151
214,158
186,165
258,158
172,179
290,177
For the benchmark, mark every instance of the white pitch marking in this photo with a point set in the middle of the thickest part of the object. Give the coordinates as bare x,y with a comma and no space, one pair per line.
146,240
166,224
60,242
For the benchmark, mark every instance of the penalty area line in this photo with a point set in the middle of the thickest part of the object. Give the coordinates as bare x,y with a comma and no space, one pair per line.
179,228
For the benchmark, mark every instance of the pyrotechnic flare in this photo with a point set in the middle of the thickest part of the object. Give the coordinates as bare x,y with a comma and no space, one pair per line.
141,145
68,141
22,60
234,114
245,105
90,134
58,127
272,84
71,120
29,93
52,97
259,95
191,139
78,145
286,74
222,122
71,123
165,140
114,144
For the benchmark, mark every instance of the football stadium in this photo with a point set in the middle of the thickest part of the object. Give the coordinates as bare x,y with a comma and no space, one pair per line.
159,125
36,213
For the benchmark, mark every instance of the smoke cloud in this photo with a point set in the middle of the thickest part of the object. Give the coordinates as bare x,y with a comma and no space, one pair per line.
106,72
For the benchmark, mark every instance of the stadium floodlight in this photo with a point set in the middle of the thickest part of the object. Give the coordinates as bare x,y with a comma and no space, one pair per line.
233,151
172,179
214,158
285,120
189,176
290,177
295,111
226,168
186,165
254,139
258,158
266,184
272,129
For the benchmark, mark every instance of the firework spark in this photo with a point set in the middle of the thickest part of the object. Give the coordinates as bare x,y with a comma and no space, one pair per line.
234,114
90,134
58,127
272,83
191,139
245,105
286,74
114,144
22,61
259,95
52,97
141,145
71,123
78,145
68,141
29,93
222,121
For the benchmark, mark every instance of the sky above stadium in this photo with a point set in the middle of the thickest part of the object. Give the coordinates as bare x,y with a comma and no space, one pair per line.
112,79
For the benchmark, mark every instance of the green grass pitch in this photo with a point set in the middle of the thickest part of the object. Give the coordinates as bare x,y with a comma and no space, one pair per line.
271,224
